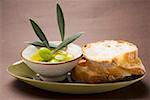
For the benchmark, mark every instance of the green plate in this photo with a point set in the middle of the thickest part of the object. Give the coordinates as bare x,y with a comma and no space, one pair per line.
22,72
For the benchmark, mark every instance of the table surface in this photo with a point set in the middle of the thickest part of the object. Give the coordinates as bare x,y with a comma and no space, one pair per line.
99,19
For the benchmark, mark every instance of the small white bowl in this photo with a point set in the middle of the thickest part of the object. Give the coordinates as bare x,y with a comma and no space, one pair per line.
48,70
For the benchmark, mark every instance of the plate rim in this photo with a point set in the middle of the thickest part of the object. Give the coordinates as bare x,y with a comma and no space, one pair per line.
71,84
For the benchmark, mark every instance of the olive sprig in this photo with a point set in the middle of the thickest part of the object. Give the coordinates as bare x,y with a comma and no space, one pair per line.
44,41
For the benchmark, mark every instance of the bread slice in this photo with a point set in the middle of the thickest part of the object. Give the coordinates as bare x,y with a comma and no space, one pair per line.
108,60
110,52
83,73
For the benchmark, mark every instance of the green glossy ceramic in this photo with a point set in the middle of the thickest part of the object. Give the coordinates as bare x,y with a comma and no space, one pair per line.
22,72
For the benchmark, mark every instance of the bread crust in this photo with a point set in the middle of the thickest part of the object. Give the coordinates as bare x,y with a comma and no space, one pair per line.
86,73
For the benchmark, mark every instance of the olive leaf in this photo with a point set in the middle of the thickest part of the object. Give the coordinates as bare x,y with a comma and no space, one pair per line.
39,33
61,22
37,43
66,42
40,44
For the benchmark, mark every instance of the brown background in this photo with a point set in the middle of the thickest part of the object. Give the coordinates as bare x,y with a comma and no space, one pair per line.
99,19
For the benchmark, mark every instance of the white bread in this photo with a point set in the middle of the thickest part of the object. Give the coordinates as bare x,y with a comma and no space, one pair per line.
107,61
110,52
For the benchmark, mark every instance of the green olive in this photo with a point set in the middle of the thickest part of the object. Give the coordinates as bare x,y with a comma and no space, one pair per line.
45,53
59,57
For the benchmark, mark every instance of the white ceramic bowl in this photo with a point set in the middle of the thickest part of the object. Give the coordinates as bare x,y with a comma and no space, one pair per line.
52,70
